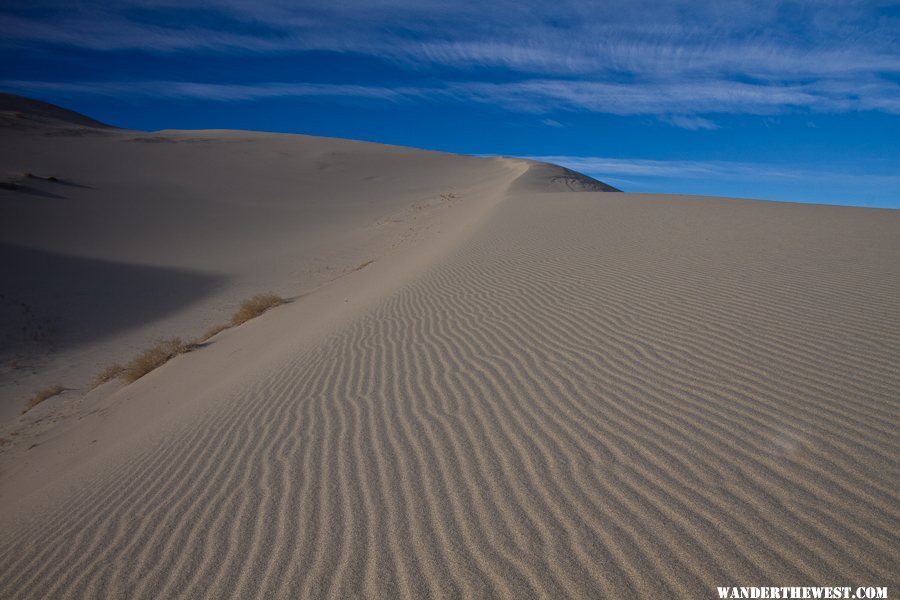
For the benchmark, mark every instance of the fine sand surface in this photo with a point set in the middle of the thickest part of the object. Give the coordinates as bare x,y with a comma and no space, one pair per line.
112,239
545,394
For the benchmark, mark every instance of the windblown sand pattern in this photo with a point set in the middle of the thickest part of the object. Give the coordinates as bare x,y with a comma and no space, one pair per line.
600,395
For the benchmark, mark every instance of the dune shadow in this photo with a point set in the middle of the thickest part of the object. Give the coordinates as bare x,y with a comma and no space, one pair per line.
31,191
66,182
52,301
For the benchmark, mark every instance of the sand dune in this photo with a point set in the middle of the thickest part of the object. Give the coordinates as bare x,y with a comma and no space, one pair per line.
21,113
569,395
115,238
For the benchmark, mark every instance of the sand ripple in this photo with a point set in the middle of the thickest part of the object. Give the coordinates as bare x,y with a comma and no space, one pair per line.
599,396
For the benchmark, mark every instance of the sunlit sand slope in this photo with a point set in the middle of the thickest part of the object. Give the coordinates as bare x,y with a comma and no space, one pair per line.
599,395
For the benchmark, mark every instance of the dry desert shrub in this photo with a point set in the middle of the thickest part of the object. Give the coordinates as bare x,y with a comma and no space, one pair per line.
111,372
362,266
255,306
154,357
212,331
164,351
53,390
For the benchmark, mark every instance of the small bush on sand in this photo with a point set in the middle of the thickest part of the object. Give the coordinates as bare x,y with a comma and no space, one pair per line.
164,351
362,266
53,390
211,332
111,372
255,306
155,357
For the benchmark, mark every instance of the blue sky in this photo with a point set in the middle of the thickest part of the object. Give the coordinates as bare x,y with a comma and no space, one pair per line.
794,101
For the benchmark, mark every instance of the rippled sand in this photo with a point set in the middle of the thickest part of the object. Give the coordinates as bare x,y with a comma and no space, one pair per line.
593,395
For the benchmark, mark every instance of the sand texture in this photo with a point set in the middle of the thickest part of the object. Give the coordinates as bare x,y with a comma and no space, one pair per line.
556,395
598,396
111,239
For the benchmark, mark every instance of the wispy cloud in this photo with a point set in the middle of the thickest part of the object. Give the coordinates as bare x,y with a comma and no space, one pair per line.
212,91
673,102
742,179
677,59
113,34
762,36
688,122
618,168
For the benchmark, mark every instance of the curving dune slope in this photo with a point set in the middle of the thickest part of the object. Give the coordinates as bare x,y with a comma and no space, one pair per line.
598,395
111,239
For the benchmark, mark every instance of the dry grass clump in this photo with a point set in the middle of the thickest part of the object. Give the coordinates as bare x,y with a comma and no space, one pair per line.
212,331
155,356
362,266
164,351
111,372
255,306
53,390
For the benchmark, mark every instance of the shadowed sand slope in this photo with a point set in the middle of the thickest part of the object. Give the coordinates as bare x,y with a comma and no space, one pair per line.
98,297
20,112
599,395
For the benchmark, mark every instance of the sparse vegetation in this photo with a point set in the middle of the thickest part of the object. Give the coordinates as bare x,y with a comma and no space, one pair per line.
53,390
448,197
255,306
161,353
212,331
362,266
250,309
154,357
111,372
